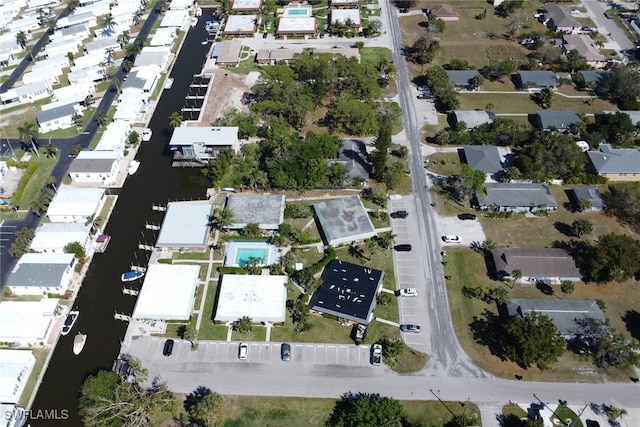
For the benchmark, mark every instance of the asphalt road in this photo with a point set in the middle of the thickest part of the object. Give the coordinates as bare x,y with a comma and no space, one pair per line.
607,26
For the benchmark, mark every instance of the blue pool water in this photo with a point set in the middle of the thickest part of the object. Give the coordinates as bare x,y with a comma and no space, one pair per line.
243,255
296,12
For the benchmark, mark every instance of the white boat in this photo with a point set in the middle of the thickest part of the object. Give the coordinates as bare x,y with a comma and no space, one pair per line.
194,22
78,343
146,133
198,11
69,322
133,167
168,83
130,276
102,242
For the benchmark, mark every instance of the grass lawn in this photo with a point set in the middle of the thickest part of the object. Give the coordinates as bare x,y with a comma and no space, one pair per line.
37,180
307,256
514,409
200,256
373,55
108,203
444,163
246,411
381,260
257,333
208,330
41,356
564,414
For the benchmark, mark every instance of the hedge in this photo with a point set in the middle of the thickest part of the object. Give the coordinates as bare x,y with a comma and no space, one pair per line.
31,169
232,270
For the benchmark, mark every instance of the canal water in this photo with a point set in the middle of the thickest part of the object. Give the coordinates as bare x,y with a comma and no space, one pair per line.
100,296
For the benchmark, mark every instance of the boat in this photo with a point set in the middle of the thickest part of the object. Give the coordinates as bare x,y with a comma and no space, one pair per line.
78,343
194,22
69,322
101,243
130,276
133,167
146,132
198,11
168,83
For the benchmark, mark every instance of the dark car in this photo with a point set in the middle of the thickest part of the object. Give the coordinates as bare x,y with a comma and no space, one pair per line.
399,214
467,217
410,328
264,35
285,352
402,248
168,347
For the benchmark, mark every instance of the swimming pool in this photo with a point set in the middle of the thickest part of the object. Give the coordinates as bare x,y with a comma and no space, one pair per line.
296,12
238,252
243,255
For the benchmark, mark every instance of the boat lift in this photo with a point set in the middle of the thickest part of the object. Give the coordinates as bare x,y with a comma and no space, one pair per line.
131,292
152,227
120,316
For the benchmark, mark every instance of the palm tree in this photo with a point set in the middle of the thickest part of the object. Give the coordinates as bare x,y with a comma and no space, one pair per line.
50,150
101,118
76,149
244,325
21,39
175,119
25,235
108,55
108,24
40,204
223,218
186,333
132,49
357,252
136,16
124,38
385,240
28,134
116,81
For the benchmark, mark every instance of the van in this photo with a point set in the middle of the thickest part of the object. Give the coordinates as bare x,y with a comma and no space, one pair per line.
243,351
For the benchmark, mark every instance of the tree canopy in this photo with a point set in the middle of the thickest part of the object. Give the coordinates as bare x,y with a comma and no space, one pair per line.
608,348
533,339
614,257
622,86
366,409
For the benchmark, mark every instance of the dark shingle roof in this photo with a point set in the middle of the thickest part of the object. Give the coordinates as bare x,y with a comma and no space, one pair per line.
591,194
483,157
563,312
561,120
538,79
55,113
511,195
615,160
535,262
462,77
588,76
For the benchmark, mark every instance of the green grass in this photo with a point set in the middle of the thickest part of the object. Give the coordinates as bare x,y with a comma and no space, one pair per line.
198,256
381,260
373,55
258,333
444,163
36,181
41,357
246,66
104,213
514,409
562,414
208,330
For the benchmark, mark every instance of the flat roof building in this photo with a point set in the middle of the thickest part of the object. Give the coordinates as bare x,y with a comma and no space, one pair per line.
204,143
240,25
295,25
54,236
246,5
262,298
343,16
168,292
348,291
27,322
344,220
74,204
41,273
15,370
95,167
266,210
185,225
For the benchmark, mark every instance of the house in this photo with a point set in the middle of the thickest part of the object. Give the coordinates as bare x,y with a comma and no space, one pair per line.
472,118
343,16
348,291
73,93
633,115
15,370
175,19
535,264
246,5
57,118
536,79
132,105
354,157
240,25
343,220
102,44
141,79
74,32
616,164
297,20
229,54
463,78
75,19
200,144
42,74
181,5
27,323
95,167
261,298
516,197
590,194
562,312
87,75
558,120
485,158
591,78
115,137
185,225
26,93
266,210
559,19
443,11
163,37
74,204
41,274
52,237
584,45
159,56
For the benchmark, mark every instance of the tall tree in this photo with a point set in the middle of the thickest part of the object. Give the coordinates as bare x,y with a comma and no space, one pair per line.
205,408
615,257
581,226
533,339
223,218
108,25
244,325
175,119
382,145
21,39
366,409
75,248
608,348
50,150
29,135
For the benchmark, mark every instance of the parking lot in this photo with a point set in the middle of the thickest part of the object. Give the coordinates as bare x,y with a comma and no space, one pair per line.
150,349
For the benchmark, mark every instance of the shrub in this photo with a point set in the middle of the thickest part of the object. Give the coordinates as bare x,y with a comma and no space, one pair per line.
31,169
232,270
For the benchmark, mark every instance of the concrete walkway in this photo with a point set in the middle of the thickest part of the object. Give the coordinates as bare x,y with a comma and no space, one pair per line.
205,290
387,322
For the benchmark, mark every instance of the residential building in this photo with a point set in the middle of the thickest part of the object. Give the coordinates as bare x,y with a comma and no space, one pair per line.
242,6
163,37
516,197
296,20
463,78
240,25
559,19
589,194
74,204
101,45
26,93
185,225
444,12
616,164
584,45
557,120
485,158
181,5
175,19
87,75
199,144
343,220
591,78
261,298
141,79
354,157
536,79
75,19
132,105
266,210
95,167
535,264
115,137
472,118
52,237
229,53
41,274
27,323
154,56
345,16
15,369
57,118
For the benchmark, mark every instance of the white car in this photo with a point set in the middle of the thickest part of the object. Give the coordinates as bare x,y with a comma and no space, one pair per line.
408,292
146,134
243,351
451,238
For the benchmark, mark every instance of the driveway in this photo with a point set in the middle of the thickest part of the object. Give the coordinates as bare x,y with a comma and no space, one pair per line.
469,231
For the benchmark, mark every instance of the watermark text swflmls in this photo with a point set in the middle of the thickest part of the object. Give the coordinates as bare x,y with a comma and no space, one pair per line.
39,414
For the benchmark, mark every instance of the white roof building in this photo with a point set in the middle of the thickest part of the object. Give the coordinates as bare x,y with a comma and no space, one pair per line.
53,237
72,93
49,76
204,143
72,204
73,32
63,46
27,93
344,15
86,75
295,25
97,8
163,37
240,24
185,225
102,44
82,18
57,118
175,19
344,220
180,4
168,292
40,274
95,167
27,322
15,369
141,79
114,137
244,5
132,105
262,298
157,56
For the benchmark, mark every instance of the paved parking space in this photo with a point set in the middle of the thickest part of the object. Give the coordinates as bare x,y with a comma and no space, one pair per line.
150,348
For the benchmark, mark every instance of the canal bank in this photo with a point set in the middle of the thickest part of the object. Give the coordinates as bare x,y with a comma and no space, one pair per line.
100,296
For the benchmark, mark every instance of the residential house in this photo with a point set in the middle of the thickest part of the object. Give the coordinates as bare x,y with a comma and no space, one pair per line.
344,16
96,59
87,75
159,56
175,19
444,12
15,370
516,197
229,53
472,118
240,25
76,19
634,115
63,46
535,264
562,312
590,194
591,78
26,93
584,45
74,32
95,167
50,76
526,79
132,106
463,78
57,118
163,37
34,4
27,25
616,164
184,5
100,46
558,120
353,156
97,8
485,158
41,274
115,137
295,23
142,79
75,204
266,210
241,6
199,144
27,323
559,19
52,237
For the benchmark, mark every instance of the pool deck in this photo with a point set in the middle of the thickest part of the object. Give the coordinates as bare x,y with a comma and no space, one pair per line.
231,252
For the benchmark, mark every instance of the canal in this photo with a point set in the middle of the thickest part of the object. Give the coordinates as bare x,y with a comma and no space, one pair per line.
100,296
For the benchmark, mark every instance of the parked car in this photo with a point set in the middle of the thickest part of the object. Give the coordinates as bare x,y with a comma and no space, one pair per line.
410,328
423,88
285,352
264,35
402,248
168,347
146,134
243,351
408,292
424,96
399,214
376,354
467,217
451,238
